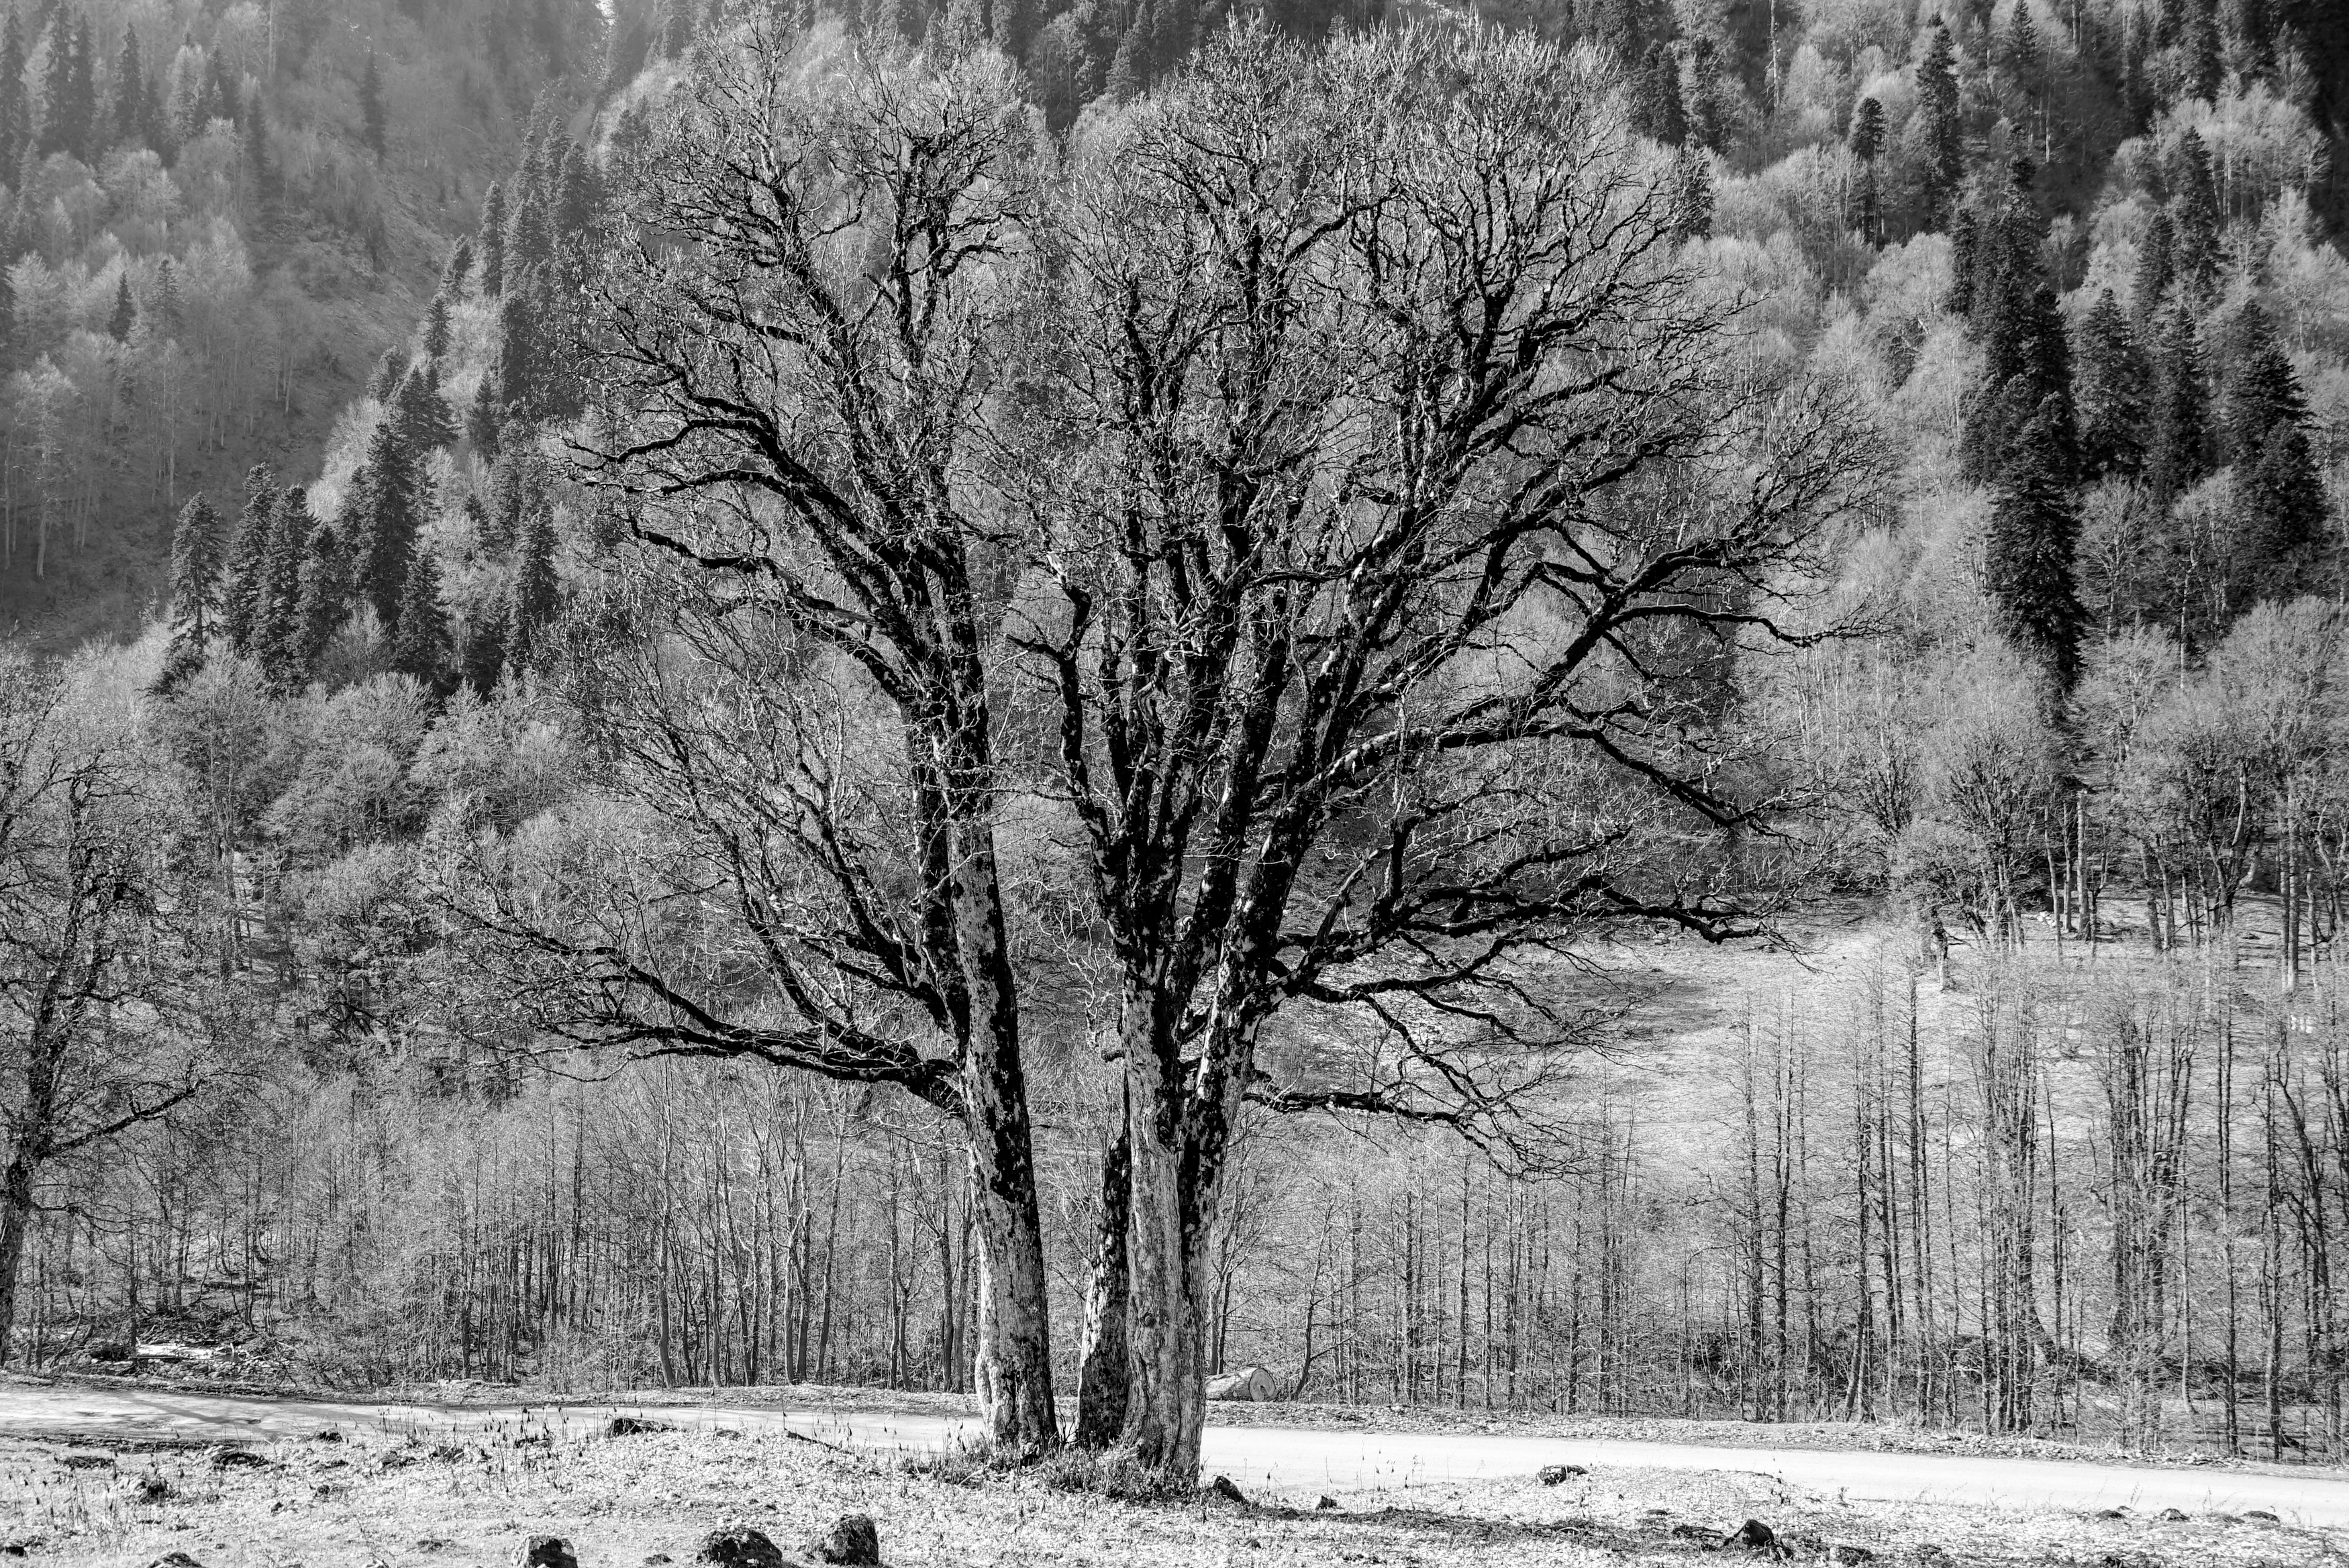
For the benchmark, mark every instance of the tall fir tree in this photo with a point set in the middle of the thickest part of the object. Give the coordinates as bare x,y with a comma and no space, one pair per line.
492,245
381,516
534,598
2176,452
2262,389
1655,96
2279,496
419,642
125,318
134,97
374,121
82,130
248,559
383,382
326,595
277,624
2111,390
2194,209
16,103
434,337
459,270
199,562
1866,142
2156,267
422,414
56,90
1943,131
2028,555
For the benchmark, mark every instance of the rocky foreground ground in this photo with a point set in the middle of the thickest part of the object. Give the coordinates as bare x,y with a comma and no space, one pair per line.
516,1493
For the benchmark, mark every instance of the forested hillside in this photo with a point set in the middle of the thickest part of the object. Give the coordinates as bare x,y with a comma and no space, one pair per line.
553,921
216,217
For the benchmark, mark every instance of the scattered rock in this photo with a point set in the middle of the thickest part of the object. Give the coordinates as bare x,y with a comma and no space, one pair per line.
328,1435
1222,1487
88,1461
1553,1475
2110,1513
2173,1516
655,1559
548,1551
175,1560
237,1459
851,1541
2262,1514
634,1426
1325,1504
1703,1535
1755,1536
2221,1519
449,1453
154,1489
739,1546
1843,1553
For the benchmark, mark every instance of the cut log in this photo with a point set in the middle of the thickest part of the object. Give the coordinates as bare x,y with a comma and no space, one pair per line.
1249,1383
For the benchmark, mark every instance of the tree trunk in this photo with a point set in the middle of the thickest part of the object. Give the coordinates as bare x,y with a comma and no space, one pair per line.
15,1223
1103,1377
1166,1401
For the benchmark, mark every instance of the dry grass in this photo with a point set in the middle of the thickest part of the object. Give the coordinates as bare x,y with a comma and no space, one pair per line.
476,1496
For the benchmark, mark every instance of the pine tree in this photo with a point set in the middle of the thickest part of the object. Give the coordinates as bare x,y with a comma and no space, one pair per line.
1965,263
1708,119
435,337
2205,70
534,599
15,106
578,196
1944,135
381,516
2033,540
81,130
1692,194
170,319
133,110
326,595
248,559
2156,266
1656,109
7,319
198,557
2262,389
419,644
492,247
2176,456
516,371
421,412
530,240
126,312
2195,213
2282,497
57,92
459,268
2110,390
253,142
373,126
277,624
385,380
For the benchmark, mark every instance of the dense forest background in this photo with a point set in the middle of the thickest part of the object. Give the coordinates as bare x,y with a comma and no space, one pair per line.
2048,1132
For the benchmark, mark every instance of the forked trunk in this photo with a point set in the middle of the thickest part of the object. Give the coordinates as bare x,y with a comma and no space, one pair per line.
1166,1401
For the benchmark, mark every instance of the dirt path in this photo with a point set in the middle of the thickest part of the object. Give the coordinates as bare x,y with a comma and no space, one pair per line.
1286,1461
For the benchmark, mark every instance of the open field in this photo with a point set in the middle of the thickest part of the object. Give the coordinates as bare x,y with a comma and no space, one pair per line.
124,1475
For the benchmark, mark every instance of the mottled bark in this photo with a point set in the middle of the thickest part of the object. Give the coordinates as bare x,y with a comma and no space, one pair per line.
1103,1377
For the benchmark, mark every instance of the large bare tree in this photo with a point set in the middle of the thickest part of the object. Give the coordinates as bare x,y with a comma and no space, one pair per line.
1405,496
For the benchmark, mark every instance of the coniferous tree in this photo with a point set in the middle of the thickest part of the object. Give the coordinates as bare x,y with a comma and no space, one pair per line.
126,312
15,105
381,516
252,141
2281,500
459,268
248,559
1965,263
7,320
384,381
530,240
2262,389
374,127
1705,98
2195,215
57,107
2176,452
421,412
1943,132
419,644
434,339
2033,540
134,115
277,633
82,128
1656,109
2204,66
169,317
1866,144
326,595
198,561
2111,390
515,372
2156,266
534,599
492,246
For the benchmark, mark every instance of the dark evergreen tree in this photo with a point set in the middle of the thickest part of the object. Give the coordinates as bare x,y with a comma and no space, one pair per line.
2262,388
434,339
2033,540
492,246
326,595
421,412
126,312
248,559
1867,145
2280,498
58,111
82,130
1655,97
2156,266
2194,209
253,142
516,373
530,240
2112,390
2177,455
482,653
1943,131
1706,98
2204,69
578,197
8,321
134,103
534,599
277,631
384,509
419,642
374,127
385,380
1965,263
16,104
459,268
169,318
198,563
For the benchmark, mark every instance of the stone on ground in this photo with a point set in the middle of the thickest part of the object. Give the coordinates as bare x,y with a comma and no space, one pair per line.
739,1546
548,1551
